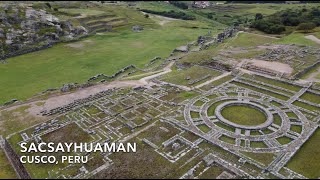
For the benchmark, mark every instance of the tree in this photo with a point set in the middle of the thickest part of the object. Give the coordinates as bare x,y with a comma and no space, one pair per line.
258,16
48,4
146,15
210,16
178,4
306,26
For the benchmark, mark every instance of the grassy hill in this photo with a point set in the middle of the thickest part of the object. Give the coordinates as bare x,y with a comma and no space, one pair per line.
26,75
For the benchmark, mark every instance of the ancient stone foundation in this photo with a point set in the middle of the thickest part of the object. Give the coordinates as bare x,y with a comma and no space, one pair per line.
15,161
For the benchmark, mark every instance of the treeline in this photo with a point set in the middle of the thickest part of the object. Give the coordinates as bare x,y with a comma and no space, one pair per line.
263,2
179,4
301,19
254,2
171,14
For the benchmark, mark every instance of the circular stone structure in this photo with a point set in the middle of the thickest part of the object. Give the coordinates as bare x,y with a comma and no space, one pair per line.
268,115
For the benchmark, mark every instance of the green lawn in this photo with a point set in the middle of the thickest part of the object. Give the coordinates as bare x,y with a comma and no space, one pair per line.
284,140
88,12
307,160
265,158
243,115
186,76
261,91
276,83
311,97
225,126
194,114
32,73
249,39
296,128
216,83
306,106
204,128
227,139
258,144
296,38
7,171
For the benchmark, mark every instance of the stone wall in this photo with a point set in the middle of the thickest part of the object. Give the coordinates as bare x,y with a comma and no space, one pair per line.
15,161
227,33
306,70
112,76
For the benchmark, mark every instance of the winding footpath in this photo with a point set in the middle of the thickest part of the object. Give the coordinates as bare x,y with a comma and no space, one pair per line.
313,38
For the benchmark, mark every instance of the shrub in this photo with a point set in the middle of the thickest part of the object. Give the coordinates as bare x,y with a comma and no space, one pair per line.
306,26
172,14
180,5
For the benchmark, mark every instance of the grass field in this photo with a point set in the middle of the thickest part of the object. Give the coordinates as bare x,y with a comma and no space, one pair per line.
311,97
6,170
264,158
284,140
87,12
16,120
243,115
216,83
193,74
307,160
248,40
296,38
35,72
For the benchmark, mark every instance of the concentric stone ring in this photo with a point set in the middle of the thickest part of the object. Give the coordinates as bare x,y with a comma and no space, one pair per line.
269,117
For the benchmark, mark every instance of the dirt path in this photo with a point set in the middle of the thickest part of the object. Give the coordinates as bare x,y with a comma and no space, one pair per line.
166,70
313,38
213,79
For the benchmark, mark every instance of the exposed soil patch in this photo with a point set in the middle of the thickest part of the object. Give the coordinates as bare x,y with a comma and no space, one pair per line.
272,65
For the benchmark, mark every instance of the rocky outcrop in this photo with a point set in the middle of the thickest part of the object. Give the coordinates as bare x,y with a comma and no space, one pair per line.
24,30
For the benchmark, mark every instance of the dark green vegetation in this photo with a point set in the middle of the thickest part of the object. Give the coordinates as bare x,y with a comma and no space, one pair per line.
243,115
304,19
307,160
171,14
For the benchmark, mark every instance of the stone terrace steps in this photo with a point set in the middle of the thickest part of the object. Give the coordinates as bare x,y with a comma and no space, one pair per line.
103,23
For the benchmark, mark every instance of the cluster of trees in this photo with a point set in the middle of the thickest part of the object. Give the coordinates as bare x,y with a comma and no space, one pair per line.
256,2
179,4
171,14
303,19
261,2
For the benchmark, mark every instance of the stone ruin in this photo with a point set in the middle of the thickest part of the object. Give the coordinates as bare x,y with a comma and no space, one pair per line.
205,42
137,28
262,70
24,29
